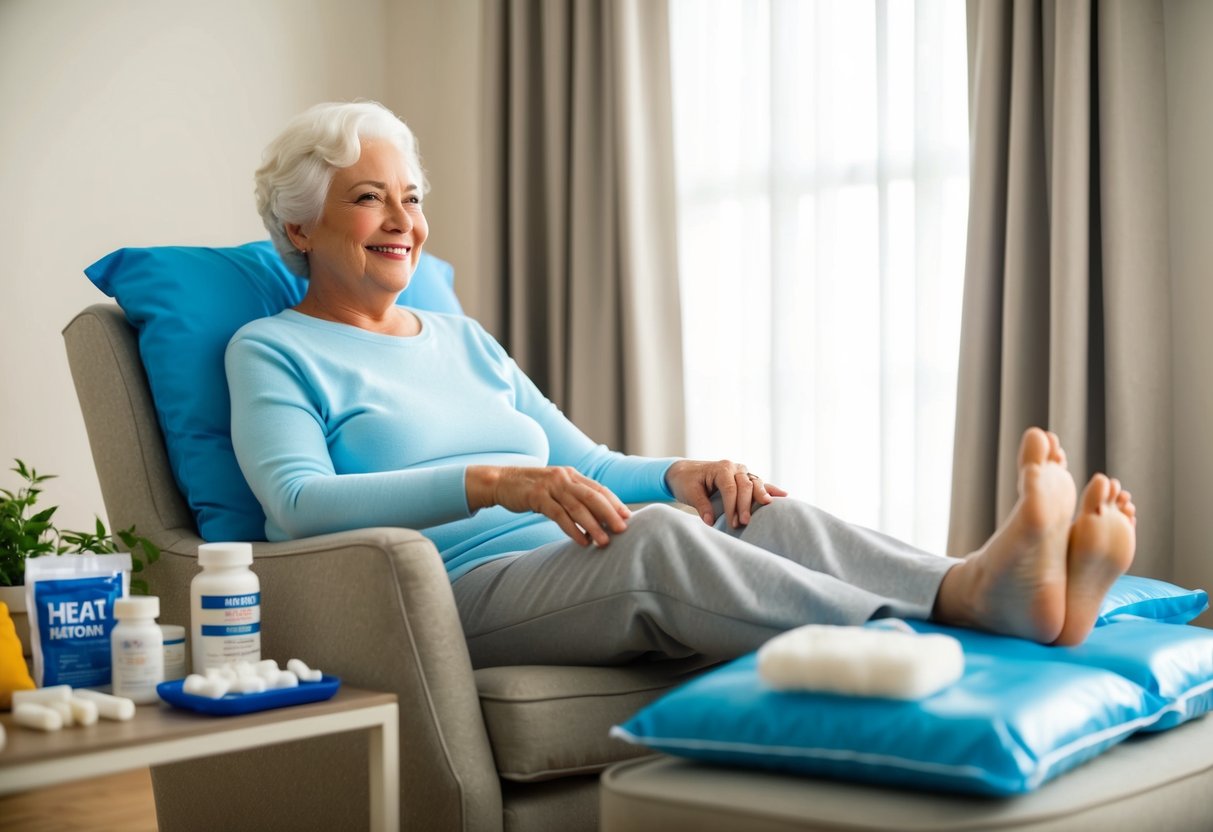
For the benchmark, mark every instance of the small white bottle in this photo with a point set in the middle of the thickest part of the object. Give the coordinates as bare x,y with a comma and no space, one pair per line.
174,651
225,607
137,649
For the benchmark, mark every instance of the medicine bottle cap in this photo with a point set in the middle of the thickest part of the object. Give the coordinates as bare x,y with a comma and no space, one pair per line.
225,554
137,606
172,632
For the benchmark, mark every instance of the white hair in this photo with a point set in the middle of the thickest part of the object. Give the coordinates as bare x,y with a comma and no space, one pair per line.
297,167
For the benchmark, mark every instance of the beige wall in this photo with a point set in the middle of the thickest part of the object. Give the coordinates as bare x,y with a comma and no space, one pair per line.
434,85
1189,31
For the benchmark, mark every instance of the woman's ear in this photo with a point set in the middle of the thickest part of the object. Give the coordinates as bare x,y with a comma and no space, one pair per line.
297,236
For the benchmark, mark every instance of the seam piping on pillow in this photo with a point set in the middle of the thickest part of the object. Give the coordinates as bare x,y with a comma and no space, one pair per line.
964,771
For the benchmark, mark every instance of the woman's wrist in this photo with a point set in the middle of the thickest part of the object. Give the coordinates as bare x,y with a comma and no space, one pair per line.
671,471
481,484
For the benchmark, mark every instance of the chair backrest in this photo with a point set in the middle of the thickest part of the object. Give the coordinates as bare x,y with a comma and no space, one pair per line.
128,448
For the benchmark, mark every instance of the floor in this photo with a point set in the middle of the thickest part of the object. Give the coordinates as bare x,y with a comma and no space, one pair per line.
115,802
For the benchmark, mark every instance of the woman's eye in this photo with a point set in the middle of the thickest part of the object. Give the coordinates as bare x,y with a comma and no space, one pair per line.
368,197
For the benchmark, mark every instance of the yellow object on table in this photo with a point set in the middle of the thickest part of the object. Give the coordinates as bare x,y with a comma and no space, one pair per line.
14,675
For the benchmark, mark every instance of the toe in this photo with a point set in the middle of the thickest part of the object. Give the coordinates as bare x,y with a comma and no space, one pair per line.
1056,454
1114,492
1033,448
1095,494
1129,507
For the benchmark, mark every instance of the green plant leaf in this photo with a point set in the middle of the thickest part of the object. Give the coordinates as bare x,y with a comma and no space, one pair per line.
23,537
44,516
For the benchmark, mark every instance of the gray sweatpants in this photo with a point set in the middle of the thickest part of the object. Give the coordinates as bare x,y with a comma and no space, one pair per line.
672,586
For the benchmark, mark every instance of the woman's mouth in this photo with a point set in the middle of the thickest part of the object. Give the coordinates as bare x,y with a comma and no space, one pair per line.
394,252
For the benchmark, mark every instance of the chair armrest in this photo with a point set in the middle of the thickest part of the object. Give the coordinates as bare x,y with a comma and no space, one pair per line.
375,607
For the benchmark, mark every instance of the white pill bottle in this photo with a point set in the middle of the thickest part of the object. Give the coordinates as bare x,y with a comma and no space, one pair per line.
225,607
174,651
137,649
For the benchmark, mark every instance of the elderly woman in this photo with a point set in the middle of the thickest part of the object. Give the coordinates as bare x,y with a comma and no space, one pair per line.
351,411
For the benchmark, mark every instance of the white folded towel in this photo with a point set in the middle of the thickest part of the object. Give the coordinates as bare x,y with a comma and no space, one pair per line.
861,661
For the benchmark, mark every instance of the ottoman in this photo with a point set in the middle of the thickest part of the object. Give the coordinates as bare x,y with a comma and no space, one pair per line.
1149,783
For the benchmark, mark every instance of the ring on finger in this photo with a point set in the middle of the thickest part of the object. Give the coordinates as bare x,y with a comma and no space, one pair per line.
754,477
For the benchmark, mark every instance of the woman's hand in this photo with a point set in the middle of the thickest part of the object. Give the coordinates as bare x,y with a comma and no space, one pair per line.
583,508
694,482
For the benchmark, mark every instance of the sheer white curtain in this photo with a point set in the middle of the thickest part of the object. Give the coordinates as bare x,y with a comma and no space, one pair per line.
822,165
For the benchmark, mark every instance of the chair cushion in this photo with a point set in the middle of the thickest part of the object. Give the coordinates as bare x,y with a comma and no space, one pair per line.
186,303
1021,714
547,722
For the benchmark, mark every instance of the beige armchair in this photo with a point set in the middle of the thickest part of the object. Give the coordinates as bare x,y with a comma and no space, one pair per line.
514,748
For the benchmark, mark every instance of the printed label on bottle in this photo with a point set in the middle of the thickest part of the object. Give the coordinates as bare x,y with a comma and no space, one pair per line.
138,666
231,627
174,659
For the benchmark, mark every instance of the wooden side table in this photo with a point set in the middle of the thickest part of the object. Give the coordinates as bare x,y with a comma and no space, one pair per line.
162,734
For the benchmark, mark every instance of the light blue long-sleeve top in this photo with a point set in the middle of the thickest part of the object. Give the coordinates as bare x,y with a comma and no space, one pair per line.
339,428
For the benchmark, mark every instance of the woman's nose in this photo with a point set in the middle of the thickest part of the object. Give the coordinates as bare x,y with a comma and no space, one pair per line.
398,219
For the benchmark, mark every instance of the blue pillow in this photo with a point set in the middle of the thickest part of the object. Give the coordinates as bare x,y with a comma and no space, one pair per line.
186,303
1020,715
1134,597
1171,661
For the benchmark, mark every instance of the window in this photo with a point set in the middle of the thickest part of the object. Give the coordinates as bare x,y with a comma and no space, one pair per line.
822,168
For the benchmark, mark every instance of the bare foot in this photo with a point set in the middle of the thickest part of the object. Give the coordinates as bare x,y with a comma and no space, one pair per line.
1102,542
1016,583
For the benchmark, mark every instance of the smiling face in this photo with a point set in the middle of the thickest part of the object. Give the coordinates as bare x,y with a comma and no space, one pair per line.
366,244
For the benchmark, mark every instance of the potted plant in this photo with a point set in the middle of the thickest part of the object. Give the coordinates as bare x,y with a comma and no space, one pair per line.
27,531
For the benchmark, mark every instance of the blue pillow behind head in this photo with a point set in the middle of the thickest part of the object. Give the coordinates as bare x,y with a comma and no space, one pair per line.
186,303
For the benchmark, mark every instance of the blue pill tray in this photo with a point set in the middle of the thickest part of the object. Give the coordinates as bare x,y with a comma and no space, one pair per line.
247,703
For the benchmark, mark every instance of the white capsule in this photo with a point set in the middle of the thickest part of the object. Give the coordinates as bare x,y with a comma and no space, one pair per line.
108,707
285,679
195,684
39,717
249,684
305,673
42,696
267,669
217,688
84,711
245,670
64,709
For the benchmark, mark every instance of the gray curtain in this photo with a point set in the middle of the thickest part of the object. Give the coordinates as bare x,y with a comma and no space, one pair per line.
579,215
1066,320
